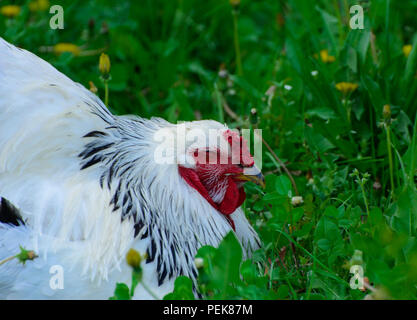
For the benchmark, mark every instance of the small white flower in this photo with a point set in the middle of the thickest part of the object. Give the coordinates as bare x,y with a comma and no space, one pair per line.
223,73
297,200
231,92
287,87
199,262
314,73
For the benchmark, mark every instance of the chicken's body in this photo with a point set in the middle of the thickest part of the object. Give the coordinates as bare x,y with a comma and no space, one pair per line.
88,189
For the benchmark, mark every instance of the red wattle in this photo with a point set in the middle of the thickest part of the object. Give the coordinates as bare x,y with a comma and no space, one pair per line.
233,198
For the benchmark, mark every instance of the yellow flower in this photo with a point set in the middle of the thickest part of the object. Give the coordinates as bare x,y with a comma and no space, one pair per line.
346,87
104,64
66,47
39,5
234,2
407,49
325,57
10,11
133,258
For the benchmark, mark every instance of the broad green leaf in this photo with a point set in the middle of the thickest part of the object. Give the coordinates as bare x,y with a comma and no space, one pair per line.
283,292
323,113
405,217
297,214
324,244
183,290
316,141
331,25
375,216
331,211
121,292
283,185
375,94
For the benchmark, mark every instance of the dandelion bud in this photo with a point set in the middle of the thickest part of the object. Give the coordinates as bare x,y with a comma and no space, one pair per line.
133,258
31,255
234,3
104,65
386,112
25,255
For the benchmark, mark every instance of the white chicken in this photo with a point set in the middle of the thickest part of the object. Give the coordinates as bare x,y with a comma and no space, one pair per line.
84,186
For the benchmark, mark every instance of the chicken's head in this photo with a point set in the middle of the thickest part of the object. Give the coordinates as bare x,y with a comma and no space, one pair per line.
216,162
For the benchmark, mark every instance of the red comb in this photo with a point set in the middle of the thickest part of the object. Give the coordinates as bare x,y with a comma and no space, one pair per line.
238,144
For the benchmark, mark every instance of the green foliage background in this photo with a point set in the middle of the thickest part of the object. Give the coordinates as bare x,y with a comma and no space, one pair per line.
179,59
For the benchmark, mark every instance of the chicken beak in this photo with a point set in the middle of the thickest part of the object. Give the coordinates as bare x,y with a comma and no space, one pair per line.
252,174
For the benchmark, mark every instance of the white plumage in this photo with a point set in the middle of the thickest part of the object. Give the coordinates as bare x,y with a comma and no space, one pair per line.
88,189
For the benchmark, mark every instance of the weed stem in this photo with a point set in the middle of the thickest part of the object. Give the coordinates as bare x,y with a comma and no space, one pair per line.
391,167
150,291
106,93
6,260
364,198
236,42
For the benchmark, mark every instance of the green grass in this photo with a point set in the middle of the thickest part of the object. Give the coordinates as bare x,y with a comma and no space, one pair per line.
166,60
